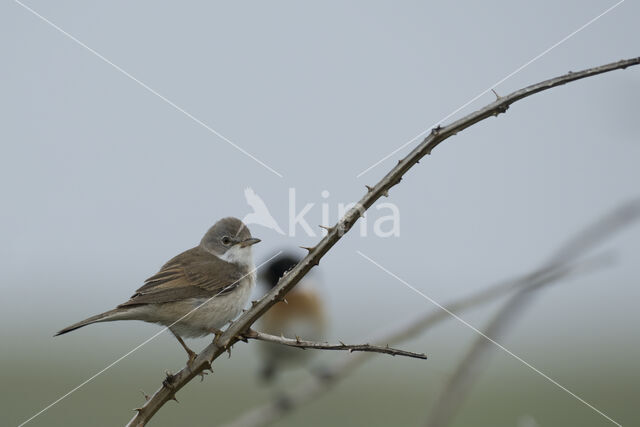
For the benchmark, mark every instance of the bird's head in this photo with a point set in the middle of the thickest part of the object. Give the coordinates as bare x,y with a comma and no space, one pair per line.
230,240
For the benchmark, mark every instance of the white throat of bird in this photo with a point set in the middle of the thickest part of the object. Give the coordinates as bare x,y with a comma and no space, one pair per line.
239,255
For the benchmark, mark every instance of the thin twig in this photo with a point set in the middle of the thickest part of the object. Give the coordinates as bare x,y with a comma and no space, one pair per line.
303,344
335,233
550,271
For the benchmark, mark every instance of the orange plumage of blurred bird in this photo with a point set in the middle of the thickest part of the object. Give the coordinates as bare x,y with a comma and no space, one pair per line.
302,315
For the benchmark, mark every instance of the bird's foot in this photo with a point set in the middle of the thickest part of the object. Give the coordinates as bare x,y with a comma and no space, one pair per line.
190,362
192,358
217,334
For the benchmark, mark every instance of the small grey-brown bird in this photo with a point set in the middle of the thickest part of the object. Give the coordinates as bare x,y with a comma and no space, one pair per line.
197,292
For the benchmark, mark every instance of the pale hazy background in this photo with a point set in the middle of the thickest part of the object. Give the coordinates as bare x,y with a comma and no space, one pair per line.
101,182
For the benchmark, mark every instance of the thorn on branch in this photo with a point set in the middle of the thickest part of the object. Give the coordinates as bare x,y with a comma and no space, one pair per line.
369,189
498,97
436,130
328,229
309,249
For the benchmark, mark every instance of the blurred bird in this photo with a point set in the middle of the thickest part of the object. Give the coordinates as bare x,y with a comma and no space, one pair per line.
208,285
301,315
260,214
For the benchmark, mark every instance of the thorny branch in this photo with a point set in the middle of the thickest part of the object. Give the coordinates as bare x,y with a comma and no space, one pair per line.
335,233
303,344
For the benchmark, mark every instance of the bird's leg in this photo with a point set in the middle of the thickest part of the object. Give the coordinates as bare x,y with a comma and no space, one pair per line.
192,354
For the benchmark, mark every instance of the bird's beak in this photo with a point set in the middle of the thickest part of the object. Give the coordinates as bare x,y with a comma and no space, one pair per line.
249,242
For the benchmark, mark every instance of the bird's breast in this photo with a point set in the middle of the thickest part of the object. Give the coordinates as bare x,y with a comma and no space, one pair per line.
202,315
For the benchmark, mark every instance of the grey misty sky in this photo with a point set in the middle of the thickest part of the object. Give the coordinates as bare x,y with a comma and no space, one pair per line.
103,181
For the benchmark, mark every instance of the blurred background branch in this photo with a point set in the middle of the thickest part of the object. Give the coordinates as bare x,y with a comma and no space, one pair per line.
564,263
452,396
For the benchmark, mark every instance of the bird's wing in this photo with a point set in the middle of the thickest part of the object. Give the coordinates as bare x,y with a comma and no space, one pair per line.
192,274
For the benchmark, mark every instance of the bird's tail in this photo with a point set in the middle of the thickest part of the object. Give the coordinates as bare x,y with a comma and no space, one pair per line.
107,316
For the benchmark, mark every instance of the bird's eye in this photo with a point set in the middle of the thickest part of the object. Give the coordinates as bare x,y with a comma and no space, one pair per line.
226,240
